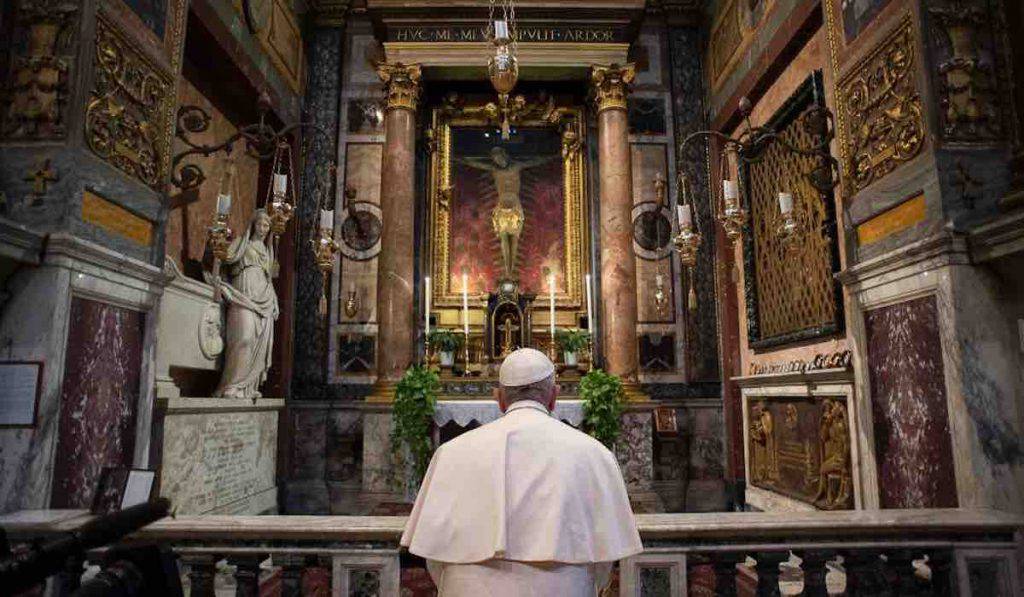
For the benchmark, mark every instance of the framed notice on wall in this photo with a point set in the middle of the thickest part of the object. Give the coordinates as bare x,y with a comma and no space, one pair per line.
19,392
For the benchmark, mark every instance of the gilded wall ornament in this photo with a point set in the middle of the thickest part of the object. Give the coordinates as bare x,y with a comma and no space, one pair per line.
800,447
610,85
882,108
401,84
964,58
38,82
128,104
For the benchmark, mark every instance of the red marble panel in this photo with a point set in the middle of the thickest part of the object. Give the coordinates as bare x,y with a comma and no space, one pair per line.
908,402
99,398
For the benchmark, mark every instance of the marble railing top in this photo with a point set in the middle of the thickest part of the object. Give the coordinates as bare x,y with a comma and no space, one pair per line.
716,526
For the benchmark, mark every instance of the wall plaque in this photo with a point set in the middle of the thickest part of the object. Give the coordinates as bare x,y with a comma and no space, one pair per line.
115,219
892,220
19,393
800,447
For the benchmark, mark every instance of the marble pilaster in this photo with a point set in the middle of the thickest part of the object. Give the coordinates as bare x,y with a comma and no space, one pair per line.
396,326
618,267
634,449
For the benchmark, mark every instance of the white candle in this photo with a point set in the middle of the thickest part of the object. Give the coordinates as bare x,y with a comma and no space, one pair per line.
224,204
465,305
500,29
551,288
280,184
731,190
785,203
327,219
426,307
685,216
590,305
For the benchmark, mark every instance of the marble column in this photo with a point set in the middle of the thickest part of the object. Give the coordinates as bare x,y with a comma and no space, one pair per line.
395,317
618,264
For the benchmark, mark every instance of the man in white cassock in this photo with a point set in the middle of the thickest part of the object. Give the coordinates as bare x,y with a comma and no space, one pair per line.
525,505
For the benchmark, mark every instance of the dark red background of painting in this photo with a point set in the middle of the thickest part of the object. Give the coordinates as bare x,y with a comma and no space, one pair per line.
473,244
908,403
99,397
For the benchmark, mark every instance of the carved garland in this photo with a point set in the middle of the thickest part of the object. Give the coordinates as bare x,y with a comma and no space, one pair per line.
883,125
36,99
128,104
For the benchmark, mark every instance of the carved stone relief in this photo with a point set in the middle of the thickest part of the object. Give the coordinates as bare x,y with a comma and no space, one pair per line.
128,104
882,108
800,447
37,86
965,61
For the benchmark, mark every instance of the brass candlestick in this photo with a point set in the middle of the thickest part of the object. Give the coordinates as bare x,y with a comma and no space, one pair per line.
219,238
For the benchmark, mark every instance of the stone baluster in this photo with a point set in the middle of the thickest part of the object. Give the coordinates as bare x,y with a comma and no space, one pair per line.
291,573
815,570
768,572
724,565
395,317
903,579
247,574
618,266
201,573
863,573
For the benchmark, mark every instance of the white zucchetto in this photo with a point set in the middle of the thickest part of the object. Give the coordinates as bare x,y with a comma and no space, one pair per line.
525,366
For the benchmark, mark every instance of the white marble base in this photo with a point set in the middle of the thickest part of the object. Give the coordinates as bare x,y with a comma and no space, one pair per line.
219,456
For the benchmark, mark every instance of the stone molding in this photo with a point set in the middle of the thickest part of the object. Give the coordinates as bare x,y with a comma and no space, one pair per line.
69,251
810,378
998,238
401,84
610,85
944,248
19,242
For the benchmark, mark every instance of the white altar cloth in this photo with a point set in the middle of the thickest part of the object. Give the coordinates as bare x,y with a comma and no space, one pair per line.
484,411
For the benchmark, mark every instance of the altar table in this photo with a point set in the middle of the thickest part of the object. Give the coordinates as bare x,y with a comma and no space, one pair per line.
463,412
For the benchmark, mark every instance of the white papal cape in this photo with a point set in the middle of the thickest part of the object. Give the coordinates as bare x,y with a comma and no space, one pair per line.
525,505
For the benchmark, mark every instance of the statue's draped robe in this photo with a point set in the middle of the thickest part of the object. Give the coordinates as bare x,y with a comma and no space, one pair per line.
525,505
252,309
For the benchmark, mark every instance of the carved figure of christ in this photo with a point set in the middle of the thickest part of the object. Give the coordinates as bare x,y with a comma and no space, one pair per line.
507,218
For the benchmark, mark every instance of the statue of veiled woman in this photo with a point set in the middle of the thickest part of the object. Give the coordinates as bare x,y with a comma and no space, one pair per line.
252,309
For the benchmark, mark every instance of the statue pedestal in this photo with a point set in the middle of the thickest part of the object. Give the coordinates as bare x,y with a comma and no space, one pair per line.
217,455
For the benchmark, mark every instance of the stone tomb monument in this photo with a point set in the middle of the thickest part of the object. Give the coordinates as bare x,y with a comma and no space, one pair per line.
218,455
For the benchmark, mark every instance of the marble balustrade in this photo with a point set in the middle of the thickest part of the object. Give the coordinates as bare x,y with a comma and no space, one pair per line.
926,552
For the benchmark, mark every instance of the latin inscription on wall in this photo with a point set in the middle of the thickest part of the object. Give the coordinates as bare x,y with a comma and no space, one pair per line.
218,462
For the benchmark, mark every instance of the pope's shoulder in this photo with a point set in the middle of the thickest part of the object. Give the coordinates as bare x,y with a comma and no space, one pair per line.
547,428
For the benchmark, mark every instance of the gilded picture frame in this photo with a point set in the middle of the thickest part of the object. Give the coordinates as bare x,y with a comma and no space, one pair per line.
570,122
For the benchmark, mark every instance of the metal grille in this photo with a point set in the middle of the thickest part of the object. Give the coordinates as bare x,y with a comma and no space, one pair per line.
791,293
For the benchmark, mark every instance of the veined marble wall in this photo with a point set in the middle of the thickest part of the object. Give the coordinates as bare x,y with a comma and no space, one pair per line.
908,398
99,398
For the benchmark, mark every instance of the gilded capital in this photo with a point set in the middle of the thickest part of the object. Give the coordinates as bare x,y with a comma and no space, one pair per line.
610,85
401,83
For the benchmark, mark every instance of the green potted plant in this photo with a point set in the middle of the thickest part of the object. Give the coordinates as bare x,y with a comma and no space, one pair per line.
601,394
445,342
413,411
571,342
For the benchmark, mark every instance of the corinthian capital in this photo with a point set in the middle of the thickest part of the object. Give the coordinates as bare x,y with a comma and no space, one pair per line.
610,85
402,84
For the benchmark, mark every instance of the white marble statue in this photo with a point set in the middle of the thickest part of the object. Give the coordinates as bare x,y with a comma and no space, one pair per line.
252,309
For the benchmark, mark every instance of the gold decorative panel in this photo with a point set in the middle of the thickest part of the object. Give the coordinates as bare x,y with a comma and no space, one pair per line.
800,447
791,294
881,110
127,120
